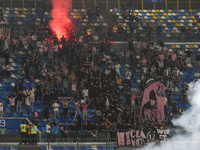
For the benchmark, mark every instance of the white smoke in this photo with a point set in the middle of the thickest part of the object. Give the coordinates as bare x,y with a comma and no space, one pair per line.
189,121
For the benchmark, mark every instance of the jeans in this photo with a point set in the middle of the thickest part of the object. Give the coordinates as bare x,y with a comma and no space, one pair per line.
128,82
12,109
32,71
118,72
188,60
169,84
2,61
56,114
50,56
84,114
77,112
27,108
74,94
137,109
122,60
19,106
93,53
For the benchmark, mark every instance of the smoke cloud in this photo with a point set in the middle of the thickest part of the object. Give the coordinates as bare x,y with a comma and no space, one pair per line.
61,24
189,121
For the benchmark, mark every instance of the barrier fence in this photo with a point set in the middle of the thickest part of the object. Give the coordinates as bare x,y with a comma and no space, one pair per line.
108,4
78,145
132,138
180,37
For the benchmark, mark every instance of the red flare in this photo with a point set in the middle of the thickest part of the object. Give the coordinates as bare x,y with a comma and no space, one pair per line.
61,24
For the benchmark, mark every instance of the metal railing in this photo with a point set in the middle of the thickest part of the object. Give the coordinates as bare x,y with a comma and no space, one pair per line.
167,37
78,145
107,4
79,138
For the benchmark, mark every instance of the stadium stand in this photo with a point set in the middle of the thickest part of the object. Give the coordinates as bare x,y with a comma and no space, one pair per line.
171,20
88,87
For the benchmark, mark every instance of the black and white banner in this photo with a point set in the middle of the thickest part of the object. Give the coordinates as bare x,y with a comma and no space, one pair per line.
141,137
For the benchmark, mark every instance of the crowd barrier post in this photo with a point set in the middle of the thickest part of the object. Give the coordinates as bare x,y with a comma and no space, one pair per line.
107,5
22,3
95,2
142,4
10,3
166,4
178,4
189,4
83,4
35,4
118,4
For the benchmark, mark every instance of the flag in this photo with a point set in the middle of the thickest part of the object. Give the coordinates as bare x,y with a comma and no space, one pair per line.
153,101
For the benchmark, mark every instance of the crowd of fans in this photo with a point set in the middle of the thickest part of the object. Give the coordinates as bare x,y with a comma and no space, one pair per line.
77,69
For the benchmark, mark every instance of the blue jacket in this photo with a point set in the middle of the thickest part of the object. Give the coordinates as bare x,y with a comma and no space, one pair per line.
56,130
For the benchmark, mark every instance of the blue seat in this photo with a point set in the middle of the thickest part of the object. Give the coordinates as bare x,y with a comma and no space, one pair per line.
110,147
150,17
4,101
67,123
71,148
71,119
15,115
71,106
39,110
40,124
54,147
4,84
92,120
83,147
25,115
37,102
11,12
89,110
100,147
3,96
60,148
20,114
73,101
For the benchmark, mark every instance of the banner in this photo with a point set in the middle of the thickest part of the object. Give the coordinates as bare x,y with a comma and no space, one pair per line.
140,138
154,1
153,101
